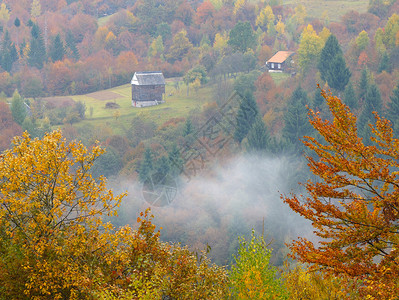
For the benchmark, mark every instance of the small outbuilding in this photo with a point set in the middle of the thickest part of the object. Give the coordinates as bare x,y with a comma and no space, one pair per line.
280,61
148,89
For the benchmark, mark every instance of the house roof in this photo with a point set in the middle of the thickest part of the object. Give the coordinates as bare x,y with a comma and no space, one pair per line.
148,78
280,57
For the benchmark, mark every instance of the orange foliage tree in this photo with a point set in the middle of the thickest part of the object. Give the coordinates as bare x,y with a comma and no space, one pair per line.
354,206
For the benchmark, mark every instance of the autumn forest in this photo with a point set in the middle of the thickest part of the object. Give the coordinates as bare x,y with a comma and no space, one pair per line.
269,170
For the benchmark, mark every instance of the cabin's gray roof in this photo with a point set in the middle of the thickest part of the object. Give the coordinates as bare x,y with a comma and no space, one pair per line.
148,78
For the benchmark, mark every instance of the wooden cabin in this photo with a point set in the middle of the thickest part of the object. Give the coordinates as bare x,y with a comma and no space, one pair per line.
280,61
148,89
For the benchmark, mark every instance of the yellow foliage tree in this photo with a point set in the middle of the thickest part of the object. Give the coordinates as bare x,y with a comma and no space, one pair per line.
238,5
300,14
4,13
156,48
302,283
309,48
280,27
362,40
36,9
51,232
100,36
181,45
265,17
251,276
324,34
54,243
110,40
390,30
220,42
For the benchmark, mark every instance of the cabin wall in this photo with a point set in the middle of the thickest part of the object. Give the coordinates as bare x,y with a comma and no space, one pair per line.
148,93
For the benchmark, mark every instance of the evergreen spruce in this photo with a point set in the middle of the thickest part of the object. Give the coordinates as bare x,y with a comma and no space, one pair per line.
18,108
176,161
339,74
258,137
71,44
296,118
332,65
162,167
57,50
146,166
363,85
188,128
246,114
17,22
328,53
350,98
37,52
384,63
372,103
8,54
319,104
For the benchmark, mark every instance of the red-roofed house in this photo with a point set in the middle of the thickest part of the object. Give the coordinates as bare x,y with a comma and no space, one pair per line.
279,61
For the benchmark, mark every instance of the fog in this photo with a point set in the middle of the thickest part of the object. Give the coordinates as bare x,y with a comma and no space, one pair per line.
227,201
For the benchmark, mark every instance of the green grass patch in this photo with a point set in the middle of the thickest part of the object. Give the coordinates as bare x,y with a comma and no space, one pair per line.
103,20
279,77
335,8
177,104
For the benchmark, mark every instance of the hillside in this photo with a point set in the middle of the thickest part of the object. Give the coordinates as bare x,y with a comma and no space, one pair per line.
177,104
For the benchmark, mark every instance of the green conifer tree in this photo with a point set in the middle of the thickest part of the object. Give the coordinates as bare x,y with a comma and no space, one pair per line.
57,50
188,127
296,118
372,103
350,97
37,52
258,137
162,167
330,50
339,74
384,63
8,54
71,44
246,114
319,104
176,161
363,85
146,166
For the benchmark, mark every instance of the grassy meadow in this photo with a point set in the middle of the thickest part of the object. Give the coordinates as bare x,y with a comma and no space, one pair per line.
177,104
335,9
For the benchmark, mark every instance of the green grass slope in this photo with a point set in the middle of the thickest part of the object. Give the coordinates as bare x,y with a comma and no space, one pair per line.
177,104
335,8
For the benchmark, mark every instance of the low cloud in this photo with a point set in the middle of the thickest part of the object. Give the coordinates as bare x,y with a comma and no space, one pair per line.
225,202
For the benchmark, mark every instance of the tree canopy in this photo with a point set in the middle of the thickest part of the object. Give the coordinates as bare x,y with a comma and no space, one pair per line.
353,205
242,37
332,65
54,243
